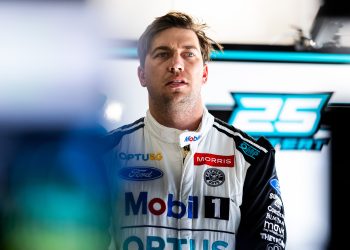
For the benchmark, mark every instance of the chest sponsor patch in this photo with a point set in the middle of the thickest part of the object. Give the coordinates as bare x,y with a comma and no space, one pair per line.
214,177
140,173
216,207
214,160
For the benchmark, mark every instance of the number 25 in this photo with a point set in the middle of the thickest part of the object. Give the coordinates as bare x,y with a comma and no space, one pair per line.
278,114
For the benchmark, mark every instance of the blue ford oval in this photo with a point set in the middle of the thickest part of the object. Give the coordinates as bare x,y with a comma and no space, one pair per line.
275,184
140,173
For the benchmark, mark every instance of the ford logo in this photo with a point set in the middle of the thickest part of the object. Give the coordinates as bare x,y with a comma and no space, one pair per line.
140,173
275,184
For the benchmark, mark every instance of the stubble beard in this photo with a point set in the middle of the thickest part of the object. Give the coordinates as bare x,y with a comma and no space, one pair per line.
177,102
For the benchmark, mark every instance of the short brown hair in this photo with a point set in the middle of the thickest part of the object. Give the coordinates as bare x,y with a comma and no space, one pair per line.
177,20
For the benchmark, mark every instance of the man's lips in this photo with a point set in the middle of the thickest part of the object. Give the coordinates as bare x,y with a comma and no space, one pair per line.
176,83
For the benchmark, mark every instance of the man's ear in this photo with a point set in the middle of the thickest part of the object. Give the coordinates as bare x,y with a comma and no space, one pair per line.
141,75
205,74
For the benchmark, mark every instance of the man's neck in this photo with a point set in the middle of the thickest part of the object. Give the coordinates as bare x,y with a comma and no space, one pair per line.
188,119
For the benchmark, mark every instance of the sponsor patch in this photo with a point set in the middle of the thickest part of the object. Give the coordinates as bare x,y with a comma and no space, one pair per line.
138,156
275,185
214,177
157,206
156,242
273,246
249,150
186,138
140,173
214,160
217,207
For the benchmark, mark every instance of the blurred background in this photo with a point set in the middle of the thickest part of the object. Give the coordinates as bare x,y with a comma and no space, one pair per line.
68,75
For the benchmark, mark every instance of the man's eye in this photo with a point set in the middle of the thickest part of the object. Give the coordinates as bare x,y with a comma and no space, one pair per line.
162,54
189,54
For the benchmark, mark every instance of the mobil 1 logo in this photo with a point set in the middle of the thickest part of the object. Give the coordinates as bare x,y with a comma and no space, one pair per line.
216,207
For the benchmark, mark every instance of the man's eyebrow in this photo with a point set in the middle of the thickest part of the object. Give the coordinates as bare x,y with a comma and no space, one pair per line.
190,47
167,48
160,48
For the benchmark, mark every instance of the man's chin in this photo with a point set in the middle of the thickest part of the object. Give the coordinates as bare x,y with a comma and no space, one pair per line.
178,99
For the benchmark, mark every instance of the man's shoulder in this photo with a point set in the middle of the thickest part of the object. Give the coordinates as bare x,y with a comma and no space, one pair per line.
245,143
139,123
112,138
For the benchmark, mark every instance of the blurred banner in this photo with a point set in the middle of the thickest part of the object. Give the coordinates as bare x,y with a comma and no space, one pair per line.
53,188
50,63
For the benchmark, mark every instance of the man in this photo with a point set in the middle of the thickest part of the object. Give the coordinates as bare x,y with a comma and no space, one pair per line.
182,178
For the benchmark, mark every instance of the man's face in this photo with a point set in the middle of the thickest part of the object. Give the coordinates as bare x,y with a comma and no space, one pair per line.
174,71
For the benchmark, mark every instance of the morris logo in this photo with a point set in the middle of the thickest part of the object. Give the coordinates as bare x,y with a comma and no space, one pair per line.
214,160
140,173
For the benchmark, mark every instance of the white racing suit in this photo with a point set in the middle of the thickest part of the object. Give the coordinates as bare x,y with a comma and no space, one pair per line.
223,195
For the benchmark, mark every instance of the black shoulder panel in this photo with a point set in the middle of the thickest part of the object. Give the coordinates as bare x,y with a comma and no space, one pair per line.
251,148
113,138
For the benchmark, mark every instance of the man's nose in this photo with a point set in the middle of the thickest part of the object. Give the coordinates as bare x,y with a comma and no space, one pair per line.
176,64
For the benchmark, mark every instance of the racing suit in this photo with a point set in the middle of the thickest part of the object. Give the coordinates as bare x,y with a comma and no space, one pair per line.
224,194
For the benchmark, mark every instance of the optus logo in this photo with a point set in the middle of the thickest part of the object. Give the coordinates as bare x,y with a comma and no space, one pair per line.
173,243
140,157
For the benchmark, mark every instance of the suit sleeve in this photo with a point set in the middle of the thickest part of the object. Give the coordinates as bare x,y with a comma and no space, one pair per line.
262,223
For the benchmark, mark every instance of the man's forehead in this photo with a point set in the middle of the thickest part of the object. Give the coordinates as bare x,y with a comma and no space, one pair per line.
175,38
